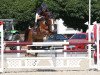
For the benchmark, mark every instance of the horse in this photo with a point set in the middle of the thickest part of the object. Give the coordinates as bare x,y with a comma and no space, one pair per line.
46,25
44,30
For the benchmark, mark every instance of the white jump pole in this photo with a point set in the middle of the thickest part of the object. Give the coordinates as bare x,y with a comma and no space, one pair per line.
89,34
65,53
18,48
2,47
97,42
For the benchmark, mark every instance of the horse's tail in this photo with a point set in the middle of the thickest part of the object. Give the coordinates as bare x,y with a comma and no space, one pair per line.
26,35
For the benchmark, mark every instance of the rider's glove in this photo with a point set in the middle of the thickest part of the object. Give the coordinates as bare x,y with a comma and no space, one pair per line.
42,18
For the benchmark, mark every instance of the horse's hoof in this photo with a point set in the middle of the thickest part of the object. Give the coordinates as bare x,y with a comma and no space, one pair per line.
36,54
28,55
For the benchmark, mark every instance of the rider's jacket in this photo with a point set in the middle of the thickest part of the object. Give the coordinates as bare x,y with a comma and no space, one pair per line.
41,13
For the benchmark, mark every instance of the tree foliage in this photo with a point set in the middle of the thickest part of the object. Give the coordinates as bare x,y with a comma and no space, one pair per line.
18,9
74,12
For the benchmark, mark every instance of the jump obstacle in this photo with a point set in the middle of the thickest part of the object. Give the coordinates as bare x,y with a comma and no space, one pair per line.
55,62
15,43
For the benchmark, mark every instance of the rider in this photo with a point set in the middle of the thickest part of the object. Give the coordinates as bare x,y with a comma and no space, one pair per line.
40,14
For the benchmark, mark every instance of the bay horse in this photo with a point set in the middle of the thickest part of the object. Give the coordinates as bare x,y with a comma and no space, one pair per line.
45,28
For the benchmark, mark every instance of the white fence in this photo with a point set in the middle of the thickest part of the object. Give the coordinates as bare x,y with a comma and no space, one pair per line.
46,62
49,62
1,47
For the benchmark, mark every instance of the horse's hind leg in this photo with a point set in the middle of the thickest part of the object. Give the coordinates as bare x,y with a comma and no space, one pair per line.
36,54
34,48
29,54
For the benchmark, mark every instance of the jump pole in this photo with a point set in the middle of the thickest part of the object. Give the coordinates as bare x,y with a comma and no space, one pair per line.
97,42
89,34
18,48
2,47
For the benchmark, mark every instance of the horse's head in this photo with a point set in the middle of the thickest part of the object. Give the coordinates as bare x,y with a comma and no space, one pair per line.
51,26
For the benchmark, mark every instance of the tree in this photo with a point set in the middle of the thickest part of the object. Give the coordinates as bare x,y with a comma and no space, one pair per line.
95,11
23,11
73,12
